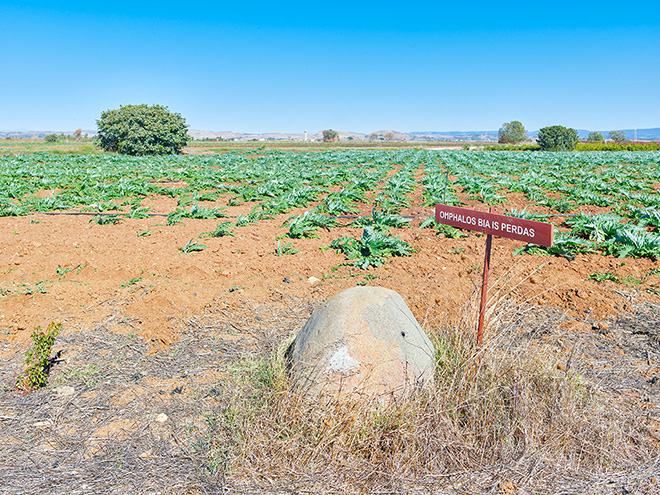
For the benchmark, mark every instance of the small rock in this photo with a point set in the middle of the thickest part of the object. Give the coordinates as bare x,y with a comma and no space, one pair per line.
146,454
287,280
313,281
64,391
41,424
161,418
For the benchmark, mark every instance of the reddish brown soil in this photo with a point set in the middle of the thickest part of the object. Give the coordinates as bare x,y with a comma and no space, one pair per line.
108,276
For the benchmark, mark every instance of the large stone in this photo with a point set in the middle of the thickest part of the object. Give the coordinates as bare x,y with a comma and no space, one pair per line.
364,340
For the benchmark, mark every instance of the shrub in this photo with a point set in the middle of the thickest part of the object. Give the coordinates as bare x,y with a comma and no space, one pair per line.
511,133
142,130
513,147
330,135
37,358
50,138
627,146
557,138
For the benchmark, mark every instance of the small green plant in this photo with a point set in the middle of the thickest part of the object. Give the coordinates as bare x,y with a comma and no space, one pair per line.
144,233
106,219
37,358
137,212
602,277
193,246
132,281
284,249
221,230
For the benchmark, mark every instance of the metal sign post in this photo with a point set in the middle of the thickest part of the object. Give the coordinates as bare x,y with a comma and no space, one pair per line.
531,231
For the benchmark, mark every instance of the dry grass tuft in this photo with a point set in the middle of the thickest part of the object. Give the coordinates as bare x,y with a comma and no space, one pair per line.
508,409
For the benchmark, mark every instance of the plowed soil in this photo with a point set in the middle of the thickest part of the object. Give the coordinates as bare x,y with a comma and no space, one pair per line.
65,268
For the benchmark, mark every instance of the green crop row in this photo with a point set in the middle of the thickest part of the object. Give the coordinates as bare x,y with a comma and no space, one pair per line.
339,183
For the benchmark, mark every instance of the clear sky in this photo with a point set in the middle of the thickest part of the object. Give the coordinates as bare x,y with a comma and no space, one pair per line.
352,66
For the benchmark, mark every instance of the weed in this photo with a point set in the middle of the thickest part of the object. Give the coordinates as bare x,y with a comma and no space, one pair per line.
63,271
37,358
144,233
456,250
85,374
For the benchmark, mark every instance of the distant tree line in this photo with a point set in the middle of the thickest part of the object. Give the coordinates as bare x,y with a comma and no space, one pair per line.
77,136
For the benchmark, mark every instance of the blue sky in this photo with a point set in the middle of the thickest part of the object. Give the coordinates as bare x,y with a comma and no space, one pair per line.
363,66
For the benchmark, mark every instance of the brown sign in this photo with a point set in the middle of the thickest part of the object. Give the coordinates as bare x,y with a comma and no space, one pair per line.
539,233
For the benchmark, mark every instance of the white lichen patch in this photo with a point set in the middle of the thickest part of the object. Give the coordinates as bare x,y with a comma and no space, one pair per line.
341,360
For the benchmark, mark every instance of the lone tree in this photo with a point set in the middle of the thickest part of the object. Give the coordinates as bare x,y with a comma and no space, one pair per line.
330,135
618,136
557,138
142,130
595,137
511,133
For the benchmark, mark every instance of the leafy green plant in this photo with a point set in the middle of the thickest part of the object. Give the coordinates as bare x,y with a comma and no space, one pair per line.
447,230
106,219
37,358
381,221
192,245
372,248
602,277
221,230
284,249
305,225
137,212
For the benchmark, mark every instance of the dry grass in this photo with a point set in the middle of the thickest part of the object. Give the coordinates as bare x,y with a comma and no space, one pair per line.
519,419
512,412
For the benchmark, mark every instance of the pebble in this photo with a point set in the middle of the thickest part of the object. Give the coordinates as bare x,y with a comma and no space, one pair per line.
64,391
313,281
161,418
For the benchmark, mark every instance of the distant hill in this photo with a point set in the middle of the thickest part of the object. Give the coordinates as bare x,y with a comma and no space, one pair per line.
41,134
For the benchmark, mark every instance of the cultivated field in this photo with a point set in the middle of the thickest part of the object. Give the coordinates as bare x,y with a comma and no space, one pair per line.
179,280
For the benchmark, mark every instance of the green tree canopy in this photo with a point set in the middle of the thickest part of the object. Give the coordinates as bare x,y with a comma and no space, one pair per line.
142,130
330,135
618,136
557,138
595,137
512,132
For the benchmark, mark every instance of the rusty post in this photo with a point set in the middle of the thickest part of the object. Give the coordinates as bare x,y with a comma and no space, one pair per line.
484,290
